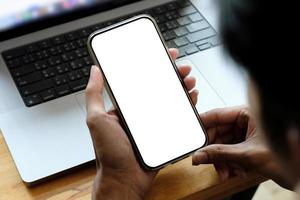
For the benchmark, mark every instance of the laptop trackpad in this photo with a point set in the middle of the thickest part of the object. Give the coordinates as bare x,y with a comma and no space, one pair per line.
207,100
81,100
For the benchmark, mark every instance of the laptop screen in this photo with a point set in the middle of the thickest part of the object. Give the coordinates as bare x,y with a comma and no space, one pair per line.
20,17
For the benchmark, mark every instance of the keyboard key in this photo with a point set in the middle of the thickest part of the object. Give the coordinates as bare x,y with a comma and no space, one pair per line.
184,3
214,41
55,50
14,53
201,42
58,40
69,46
81,42
72,36
187,10
172,15
195,17
45,44
68,56
200,35
171,24
14,63
36,87
97,27
31,78
41,65
181,41
85,32
48,94
81,52
75,75
87,60
47,73
171,44
61,69
184,21
86,71
55,60
160,19
181,31
204,46
159,10
169,35
28,59
32,48
42,54
162,27
197,26
78,85
191,49
61,80
172,6
181,52
32,100
23,70
77,64
148,12
63,90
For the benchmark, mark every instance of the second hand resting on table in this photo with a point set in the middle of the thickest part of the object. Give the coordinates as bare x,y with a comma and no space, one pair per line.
237,146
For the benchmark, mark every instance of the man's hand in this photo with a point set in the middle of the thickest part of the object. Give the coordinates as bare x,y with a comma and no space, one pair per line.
119,176
236,146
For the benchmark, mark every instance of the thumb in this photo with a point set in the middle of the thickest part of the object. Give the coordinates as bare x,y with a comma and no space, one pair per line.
218,153
94,90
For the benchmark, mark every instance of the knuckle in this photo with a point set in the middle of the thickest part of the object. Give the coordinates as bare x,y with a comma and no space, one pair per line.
216,154
245,112
219,151
88,90
93,119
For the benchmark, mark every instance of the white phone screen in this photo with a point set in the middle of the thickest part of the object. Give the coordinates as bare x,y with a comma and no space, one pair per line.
148,91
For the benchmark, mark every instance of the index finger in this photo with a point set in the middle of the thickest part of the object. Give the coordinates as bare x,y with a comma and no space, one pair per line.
220,116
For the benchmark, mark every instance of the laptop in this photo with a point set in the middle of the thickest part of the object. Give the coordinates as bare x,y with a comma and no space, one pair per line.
44,69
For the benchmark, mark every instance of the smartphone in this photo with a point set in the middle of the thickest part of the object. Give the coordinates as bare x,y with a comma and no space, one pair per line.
146,89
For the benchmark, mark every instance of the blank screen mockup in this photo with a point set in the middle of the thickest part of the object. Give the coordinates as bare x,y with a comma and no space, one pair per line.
148,92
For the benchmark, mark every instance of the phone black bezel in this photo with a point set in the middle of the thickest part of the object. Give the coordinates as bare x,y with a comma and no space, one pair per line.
115,103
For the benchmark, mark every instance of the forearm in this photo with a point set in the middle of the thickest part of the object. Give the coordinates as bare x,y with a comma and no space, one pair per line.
113,189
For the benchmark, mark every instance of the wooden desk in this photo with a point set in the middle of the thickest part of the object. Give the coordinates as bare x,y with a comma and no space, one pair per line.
178,181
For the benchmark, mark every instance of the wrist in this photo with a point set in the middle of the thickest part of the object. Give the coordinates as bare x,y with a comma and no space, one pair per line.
115,186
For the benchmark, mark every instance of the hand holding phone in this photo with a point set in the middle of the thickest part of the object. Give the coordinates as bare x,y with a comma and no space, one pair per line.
155,110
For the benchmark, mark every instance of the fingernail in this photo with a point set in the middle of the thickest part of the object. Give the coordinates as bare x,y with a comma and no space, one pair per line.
94,67
199,158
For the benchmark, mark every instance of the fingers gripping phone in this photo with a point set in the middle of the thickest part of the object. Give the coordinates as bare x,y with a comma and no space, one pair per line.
145,87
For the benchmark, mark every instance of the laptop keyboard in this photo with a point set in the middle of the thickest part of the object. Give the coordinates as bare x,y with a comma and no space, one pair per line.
58,66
